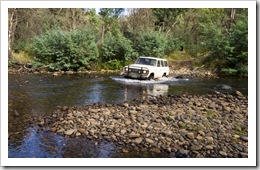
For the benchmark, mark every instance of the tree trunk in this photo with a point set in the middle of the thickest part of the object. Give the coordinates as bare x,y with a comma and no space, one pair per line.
233,13
73,17
11,24
102,34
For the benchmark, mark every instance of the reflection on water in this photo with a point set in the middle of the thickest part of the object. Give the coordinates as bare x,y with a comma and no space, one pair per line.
30,97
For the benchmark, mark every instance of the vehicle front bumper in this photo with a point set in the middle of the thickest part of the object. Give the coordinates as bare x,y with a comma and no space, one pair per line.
136,75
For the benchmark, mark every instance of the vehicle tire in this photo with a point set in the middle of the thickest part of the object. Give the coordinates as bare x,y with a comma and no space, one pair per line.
164,75
151,76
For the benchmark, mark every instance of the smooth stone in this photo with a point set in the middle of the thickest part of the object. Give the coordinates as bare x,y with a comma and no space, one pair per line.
149,140
69,132
195,147
222,153
244,138
209,147
134,135
138,140
209,140
93,110
190,135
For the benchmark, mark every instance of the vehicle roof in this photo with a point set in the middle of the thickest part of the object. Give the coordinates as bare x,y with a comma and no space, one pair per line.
153,58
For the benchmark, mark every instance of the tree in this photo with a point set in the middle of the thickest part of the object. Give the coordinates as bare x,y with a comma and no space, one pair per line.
12,22
108,16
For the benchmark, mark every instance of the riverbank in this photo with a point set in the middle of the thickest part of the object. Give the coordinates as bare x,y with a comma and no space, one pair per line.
208,126
183,72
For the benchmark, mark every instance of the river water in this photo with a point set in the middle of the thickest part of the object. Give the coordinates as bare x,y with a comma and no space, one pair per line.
32,96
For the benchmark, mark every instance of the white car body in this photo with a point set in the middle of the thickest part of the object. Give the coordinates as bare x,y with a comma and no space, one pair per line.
147,68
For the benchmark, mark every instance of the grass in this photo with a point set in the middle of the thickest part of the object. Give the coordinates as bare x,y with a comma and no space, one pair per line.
179,55
22,57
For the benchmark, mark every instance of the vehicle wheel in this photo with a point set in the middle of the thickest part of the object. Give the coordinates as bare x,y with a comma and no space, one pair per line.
164,75
151,76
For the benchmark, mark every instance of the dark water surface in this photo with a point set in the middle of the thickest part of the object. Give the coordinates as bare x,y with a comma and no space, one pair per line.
32,96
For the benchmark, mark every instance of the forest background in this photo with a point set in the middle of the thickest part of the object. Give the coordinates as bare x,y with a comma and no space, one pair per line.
86,39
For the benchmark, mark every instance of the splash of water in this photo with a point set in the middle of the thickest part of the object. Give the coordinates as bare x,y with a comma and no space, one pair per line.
162,80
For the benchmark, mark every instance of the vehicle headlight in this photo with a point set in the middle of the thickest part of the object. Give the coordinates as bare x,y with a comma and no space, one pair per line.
145,71
126,68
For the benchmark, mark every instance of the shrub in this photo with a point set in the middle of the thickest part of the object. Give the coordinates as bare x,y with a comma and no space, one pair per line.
117,48
65,50
151,44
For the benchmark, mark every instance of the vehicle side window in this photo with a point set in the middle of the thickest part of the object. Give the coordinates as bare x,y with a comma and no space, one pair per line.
158,64
165,64
162,64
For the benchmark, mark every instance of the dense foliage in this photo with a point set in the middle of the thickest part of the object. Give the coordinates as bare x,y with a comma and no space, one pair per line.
70,39
62,50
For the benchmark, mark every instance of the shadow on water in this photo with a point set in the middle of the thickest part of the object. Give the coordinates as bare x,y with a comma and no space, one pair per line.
31,97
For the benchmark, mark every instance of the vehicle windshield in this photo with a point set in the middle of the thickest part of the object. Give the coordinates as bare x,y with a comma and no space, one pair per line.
146,61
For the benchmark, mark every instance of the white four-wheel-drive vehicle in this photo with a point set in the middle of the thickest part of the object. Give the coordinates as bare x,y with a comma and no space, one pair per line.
147,68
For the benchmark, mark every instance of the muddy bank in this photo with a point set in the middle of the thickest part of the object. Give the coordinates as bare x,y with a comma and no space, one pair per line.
209,126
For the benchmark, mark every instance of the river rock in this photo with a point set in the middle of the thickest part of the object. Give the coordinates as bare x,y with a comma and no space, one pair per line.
222,153
69,132
117,116
126,105
138,140
134,135
190,135
93,110
199,138
132,111
149,140
195,147
78,114
244,138
209,140
209,147
106,112
239,93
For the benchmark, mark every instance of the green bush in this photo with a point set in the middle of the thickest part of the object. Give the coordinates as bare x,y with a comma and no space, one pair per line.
173,44
151,44
65,50
117,48
230,49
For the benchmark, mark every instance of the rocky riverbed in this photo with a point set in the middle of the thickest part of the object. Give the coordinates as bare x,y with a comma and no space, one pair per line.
209,126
